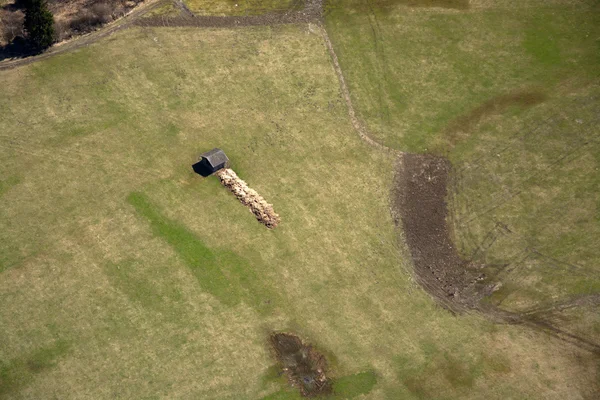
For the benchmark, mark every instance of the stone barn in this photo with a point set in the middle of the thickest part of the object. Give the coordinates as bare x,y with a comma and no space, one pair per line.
210,162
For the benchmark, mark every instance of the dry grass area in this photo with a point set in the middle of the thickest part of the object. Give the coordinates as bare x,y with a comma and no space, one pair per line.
125,275
75,17
11,22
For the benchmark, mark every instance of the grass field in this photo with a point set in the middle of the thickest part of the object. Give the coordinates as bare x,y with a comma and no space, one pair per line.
508,91
125,275
165,10
412,71
240,7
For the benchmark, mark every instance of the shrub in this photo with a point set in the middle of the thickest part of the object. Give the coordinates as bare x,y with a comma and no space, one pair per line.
103,12
97,14
12,26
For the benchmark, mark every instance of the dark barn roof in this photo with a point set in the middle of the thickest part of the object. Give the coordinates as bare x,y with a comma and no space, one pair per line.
210,162
215,157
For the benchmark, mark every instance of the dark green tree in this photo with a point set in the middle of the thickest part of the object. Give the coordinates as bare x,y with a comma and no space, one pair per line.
39,23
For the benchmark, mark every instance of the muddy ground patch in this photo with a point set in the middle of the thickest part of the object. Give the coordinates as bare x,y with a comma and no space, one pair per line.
303,365
419,205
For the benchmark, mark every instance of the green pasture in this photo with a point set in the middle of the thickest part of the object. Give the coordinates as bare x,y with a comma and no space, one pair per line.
413,70
126,275
241,7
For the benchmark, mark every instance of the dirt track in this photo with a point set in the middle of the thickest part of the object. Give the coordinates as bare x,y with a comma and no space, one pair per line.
356,123
420,206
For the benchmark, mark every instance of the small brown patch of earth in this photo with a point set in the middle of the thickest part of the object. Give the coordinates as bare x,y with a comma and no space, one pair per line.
419,205
303,365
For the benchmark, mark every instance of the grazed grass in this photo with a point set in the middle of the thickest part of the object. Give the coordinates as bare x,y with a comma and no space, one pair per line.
346,387
125,279
11,254
422,378
531,189
542,41
389,5
7,183
351,386
141,288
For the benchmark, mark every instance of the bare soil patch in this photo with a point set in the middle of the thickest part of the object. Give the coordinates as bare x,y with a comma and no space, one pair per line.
263,211
302,364
419,205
